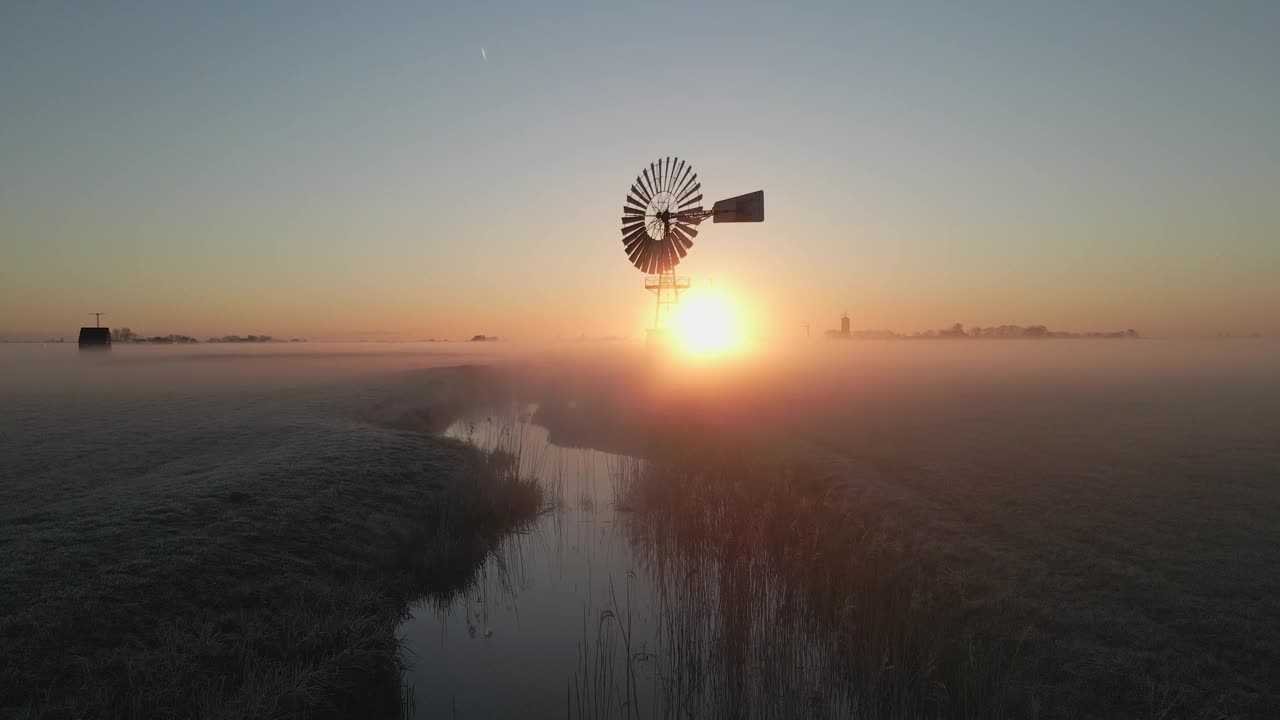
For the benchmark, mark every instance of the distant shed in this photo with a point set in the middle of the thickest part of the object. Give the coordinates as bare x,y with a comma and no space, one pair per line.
95,337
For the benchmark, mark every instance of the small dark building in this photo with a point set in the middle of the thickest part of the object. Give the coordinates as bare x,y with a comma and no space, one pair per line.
95,337
844,324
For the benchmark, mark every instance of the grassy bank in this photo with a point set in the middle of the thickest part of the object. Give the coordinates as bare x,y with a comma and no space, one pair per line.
260,575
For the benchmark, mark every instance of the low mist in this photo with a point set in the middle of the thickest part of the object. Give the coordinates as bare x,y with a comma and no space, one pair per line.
1119,491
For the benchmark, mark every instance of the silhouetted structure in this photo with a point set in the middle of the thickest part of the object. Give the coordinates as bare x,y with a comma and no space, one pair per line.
844,325
660,218
97,336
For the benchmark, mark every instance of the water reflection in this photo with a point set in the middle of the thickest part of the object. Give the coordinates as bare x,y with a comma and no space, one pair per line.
511,643
597,611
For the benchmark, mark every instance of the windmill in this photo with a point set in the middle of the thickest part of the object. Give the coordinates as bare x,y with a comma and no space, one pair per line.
659,221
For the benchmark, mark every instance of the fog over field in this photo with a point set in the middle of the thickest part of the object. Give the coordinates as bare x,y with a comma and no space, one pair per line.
1103,510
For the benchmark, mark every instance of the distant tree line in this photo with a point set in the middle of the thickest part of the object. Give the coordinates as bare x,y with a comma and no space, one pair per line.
247,339
1000,332
127,335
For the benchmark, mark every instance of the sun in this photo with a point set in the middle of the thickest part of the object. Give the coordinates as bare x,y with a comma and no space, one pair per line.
708,323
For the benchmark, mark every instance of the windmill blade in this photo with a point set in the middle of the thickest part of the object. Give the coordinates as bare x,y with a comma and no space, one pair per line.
674,178
674,251
631,223
687,229
685,241
677,167
690,178
695,188
666,173
631,235
633,247
691,201
633,200
636,256
653,188
683,236
639,192
685,172
679,245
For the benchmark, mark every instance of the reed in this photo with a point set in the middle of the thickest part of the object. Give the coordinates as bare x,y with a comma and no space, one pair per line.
779,597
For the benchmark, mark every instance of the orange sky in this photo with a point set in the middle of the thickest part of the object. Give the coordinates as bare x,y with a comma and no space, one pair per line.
213,172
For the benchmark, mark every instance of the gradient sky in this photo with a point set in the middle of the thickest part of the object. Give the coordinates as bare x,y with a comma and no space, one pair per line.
359,170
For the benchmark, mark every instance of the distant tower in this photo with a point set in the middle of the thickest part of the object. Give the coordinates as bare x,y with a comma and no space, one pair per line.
844,324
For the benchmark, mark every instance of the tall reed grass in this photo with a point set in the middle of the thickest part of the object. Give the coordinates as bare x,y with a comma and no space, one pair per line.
781,597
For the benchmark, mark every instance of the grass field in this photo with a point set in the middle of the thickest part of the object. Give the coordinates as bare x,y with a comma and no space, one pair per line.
243,555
